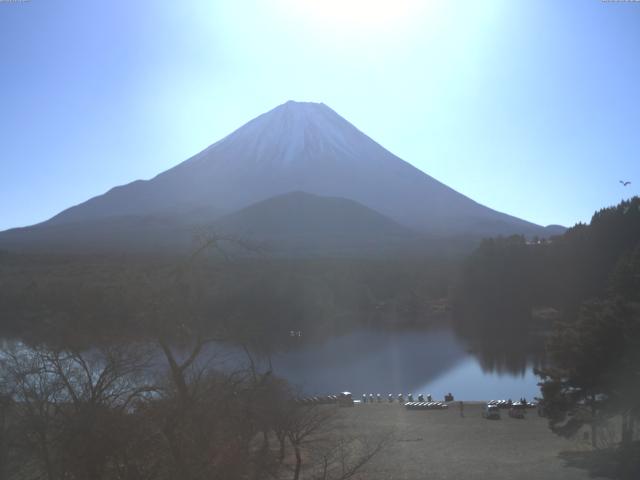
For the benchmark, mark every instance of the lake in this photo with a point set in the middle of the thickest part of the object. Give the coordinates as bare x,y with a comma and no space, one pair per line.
431,361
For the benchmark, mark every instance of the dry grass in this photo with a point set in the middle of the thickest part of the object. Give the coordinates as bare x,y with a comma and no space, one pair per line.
443,445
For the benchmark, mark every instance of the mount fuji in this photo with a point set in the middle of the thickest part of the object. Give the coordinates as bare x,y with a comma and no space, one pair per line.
296,147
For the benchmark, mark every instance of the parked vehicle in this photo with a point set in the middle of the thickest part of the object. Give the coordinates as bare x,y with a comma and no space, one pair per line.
345,399
491,412
517,410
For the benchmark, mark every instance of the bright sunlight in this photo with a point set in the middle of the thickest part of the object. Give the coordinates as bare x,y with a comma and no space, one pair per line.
356,16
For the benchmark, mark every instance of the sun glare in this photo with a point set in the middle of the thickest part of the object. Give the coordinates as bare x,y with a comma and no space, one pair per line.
356,15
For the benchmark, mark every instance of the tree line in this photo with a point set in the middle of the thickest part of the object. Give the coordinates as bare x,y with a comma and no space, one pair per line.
146,399
506,277
61,297
590,381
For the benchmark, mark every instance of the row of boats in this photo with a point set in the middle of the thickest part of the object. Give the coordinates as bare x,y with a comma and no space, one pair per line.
426,406
522,403
391,398
346,397
423,402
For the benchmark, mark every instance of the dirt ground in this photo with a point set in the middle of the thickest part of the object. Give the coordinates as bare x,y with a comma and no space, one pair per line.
444,445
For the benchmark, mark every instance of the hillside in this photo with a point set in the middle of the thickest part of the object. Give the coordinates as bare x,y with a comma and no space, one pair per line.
300,221
296,147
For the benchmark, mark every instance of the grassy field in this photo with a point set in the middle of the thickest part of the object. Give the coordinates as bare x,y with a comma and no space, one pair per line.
444,445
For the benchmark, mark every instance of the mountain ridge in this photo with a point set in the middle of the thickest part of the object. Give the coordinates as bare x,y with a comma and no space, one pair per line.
292,223
299,147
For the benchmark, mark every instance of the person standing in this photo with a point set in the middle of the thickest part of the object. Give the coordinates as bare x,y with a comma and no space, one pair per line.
461,409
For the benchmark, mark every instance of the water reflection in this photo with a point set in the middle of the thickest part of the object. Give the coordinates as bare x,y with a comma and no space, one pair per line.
421,361
434,361
512,353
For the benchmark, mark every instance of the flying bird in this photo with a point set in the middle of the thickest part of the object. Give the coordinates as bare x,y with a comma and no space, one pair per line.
625,183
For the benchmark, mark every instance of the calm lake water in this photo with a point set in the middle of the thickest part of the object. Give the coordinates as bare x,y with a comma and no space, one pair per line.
433,361
422,361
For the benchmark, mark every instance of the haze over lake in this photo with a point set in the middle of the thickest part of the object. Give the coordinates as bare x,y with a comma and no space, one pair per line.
425,361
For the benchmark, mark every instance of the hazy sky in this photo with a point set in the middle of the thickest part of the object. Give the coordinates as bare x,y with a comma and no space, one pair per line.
529,107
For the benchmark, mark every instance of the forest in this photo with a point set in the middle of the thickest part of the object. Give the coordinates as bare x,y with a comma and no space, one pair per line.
506,279
65,297
111,374
107,372
590,278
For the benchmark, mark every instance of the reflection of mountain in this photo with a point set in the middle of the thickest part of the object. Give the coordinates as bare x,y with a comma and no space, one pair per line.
422,361
373,361
513,352
378,362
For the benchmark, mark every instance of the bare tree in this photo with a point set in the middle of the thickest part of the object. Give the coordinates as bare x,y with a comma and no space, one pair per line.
72,408
346,457
321,449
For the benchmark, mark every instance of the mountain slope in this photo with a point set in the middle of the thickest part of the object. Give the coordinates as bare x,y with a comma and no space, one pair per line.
117,234
301,222
356,192
302,147
293,223
300,213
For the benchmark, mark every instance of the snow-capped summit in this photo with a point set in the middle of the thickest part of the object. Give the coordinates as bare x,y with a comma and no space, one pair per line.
305,147
292,132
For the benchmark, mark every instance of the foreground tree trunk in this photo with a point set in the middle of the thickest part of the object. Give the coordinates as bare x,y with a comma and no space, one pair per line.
282,451
296,473
627,429
594,424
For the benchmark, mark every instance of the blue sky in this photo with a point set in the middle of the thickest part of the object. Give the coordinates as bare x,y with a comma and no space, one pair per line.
529,107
